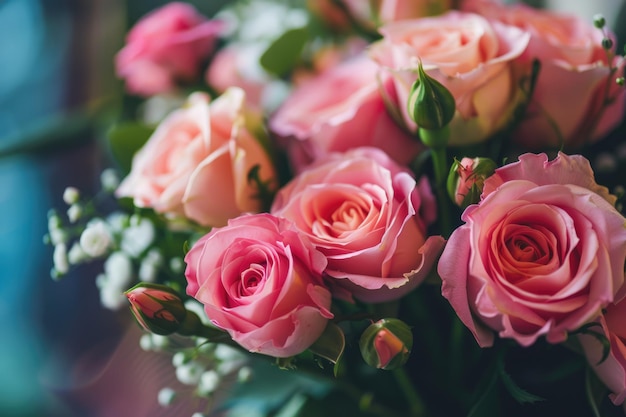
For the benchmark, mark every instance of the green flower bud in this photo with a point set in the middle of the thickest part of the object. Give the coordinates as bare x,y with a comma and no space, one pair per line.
430,104
599,21
386,344
157,308
466,179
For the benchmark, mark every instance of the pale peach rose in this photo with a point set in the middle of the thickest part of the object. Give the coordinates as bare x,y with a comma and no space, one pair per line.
611,371
472,57
576,90
166,46
369,217
196,164
541,254
338,110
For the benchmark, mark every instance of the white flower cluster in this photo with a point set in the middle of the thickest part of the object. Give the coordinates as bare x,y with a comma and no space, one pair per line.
125,243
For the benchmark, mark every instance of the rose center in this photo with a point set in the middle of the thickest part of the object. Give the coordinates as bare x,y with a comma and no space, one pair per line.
348,216
251,278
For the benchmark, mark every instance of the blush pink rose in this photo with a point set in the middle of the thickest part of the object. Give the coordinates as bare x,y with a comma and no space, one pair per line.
196,163
166,46
576,89
260,280
611,371
470,56
340,109
541,254
369,217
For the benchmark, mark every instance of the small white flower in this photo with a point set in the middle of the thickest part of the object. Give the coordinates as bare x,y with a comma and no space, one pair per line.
119,270
109,180
190,372
148,271
209,382
76,254
160,341
74,212
59,258
118,221
58,236
177,264
70,195
244,374
112,297
145,342
166,396
226,353
179,359
96,239
196,414
138,237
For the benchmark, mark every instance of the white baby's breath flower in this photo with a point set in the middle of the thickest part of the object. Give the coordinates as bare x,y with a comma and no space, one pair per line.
166,396
209,382
226,353
138,237
76,254
112,297
177,264
70,195
59,258
58,236
244,374
119,270
145,342
109,180
159,341
189,373
74,212
96,239
118,221
180,358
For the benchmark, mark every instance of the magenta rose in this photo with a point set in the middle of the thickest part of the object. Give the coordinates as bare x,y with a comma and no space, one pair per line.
338,110
369,217
166,46
196,164
260,280
472,57
611,371
576,89
541,254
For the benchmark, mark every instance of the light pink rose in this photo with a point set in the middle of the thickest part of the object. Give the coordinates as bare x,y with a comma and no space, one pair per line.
341,109
236,65
575,90
369,217
196,164
167,45
394,10
541,254
611,371
470,56
260,280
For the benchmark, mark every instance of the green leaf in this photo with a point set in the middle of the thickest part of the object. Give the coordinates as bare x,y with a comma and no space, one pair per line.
330,344
519,394
283,54
125,139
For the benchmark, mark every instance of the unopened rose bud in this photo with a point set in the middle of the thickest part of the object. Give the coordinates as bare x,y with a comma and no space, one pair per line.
430,104
157,308
466,179
386,344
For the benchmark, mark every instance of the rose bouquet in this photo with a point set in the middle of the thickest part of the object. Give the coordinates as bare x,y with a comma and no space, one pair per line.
407,208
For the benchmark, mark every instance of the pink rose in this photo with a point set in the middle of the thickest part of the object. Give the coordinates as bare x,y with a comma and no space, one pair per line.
394,10
369,217
341,109
165,46
260,280
196,163
576,89
611,371
541,254
470,56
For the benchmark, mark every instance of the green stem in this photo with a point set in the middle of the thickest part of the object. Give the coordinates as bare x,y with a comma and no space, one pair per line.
414,399
440,164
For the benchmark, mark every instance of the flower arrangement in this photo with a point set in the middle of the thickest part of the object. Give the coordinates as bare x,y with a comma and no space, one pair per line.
413,206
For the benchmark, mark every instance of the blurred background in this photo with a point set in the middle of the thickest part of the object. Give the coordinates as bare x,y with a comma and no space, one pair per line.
61,353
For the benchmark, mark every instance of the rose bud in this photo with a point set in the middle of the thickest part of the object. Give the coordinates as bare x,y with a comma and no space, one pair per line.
386,344
430,105
157,308
466,179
